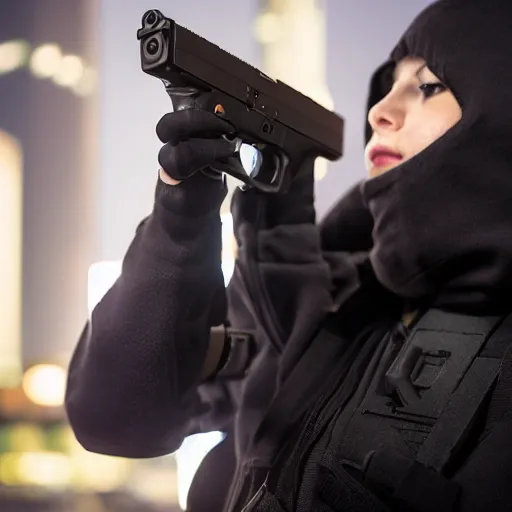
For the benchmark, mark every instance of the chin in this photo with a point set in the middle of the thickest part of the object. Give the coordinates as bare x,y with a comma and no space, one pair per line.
373,172
377,171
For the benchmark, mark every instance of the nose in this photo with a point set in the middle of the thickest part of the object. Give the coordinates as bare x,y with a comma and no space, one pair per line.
386,115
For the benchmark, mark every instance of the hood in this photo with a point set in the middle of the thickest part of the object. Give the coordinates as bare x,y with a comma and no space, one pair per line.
442,221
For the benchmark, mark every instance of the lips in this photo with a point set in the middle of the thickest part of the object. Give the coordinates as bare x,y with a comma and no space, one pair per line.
382,156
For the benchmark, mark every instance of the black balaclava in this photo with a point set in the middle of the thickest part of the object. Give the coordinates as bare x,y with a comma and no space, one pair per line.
443,220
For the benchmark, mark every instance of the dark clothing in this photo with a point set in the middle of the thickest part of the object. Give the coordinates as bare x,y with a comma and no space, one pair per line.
142,403
441,234
157,318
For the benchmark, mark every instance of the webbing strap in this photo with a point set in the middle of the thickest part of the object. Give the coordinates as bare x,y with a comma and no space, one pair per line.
304,385
457,417
477,376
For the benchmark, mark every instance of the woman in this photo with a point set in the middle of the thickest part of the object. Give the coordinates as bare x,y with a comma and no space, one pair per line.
378,379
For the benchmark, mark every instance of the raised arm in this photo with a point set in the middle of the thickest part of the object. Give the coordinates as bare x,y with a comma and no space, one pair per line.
132,387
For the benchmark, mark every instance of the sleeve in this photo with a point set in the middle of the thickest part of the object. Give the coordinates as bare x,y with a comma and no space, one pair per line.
133,378
288,283
134,384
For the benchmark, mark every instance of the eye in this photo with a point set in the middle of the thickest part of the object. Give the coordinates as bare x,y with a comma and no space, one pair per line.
431,89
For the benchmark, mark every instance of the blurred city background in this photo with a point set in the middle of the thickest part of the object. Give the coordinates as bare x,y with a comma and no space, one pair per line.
78,166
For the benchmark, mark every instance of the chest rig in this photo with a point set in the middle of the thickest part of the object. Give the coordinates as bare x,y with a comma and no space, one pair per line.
428,388
414,411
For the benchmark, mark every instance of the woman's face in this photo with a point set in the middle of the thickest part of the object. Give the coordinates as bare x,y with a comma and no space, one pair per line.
417,111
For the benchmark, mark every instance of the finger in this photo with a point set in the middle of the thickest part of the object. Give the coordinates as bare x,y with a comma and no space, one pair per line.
191,122
190,156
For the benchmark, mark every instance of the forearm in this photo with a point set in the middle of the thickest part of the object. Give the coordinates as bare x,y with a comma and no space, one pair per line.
132,381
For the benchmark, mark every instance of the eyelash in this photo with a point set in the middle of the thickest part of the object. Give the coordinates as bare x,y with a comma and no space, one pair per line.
431,89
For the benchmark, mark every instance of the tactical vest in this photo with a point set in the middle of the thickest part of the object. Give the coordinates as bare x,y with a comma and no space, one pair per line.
430,387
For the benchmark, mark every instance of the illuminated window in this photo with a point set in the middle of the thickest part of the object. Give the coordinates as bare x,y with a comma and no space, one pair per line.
11,177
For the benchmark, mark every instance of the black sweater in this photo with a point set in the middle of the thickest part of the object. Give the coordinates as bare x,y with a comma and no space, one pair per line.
133,381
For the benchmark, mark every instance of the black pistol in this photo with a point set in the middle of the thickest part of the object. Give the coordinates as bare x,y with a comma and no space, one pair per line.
275,125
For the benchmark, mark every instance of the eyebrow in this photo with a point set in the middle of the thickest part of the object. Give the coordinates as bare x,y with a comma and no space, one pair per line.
420,70
417,73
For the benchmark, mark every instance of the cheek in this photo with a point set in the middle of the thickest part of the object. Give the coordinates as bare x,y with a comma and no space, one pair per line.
442,114
433,131
423,134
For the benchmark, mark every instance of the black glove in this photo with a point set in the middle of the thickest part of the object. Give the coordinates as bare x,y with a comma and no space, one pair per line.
193,142
266,211
297,204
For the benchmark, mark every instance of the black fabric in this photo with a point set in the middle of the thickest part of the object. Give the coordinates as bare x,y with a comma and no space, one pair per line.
298,489
348,225
366,458
192,142
213,477
459,188
410,484
299,393
134,357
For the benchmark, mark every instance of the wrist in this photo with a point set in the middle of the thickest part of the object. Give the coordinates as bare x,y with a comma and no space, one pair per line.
163,176
296,205
196,196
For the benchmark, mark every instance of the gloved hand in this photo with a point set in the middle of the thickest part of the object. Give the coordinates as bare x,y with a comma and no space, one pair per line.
266,211
192,142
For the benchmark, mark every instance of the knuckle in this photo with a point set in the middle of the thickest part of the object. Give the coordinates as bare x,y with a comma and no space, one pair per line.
176,161
164,128
165,159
